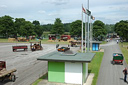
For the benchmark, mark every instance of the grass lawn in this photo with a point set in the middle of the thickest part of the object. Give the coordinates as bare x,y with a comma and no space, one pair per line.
44,41
3,40
103,42
123,47
94,66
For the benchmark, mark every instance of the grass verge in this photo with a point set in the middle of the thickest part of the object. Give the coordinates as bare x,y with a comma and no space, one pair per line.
40,79
103,42
94,66
44,41
3,40
124,49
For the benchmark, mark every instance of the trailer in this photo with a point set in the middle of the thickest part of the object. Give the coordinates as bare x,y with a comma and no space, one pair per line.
14,48
6,74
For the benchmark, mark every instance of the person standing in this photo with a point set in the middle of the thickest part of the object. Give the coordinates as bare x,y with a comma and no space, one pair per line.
125,74
117,41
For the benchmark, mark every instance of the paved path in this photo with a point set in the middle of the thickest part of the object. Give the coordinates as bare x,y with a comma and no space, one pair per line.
110,74
28,67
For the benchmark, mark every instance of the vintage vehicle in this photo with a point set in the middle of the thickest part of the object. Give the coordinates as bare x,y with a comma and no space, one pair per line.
35,46
63,49
14,48
6,74
75,43
117,58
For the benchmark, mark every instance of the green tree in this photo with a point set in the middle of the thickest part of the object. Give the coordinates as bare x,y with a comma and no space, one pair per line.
58,27
121,28
24,28
7,26
28,29
36,22
76,28
37,28
109,28
19,24
67,27
47,27
99,31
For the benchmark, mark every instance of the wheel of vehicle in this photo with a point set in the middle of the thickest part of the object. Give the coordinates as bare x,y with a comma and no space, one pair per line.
25,49
2,80
13,78
71,45
41,48
113,62
14,50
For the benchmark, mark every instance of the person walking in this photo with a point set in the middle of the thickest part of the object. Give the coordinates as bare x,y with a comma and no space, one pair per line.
125,74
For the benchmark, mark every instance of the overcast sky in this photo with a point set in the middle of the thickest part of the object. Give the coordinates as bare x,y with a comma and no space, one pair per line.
45,11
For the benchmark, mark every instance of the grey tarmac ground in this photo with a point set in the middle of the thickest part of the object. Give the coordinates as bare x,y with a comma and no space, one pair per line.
110,74
28,67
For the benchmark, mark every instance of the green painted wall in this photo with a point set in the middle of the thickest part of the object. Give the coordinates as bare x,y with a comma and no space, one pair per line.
84,72
56,71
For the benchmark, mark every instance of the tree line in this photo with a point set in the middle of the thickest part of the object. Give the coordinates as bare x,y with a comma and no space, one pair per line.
10,27
121,28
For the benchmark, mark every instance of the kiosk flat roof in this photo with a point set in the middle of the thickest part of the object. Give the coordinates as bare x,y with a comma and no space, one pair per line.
58,56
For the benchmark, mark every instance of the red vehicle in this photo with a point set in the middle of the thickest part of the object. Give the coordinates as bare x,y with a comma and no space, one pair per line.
14,48
65,37
6,74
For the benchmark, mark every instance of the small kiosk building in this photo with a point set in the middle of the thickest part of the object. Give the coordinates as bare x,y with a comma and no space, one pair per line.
67,67
96,45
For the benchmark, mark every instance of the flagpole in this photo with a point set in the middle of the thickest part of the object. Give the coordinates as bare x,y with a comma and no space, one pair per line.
88,32
82,31
85,33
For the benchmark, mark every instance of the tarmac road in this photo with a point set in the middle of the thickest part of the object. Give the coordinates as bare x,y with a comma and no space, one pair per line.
28,67
110,74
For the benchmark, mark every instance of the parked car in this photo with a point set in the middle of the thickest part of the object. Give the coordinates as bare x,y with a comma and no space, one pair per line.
63,49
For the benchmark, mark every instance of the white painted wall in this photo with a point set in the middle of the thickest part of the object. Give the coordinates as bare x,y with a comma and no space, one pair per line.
73,73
